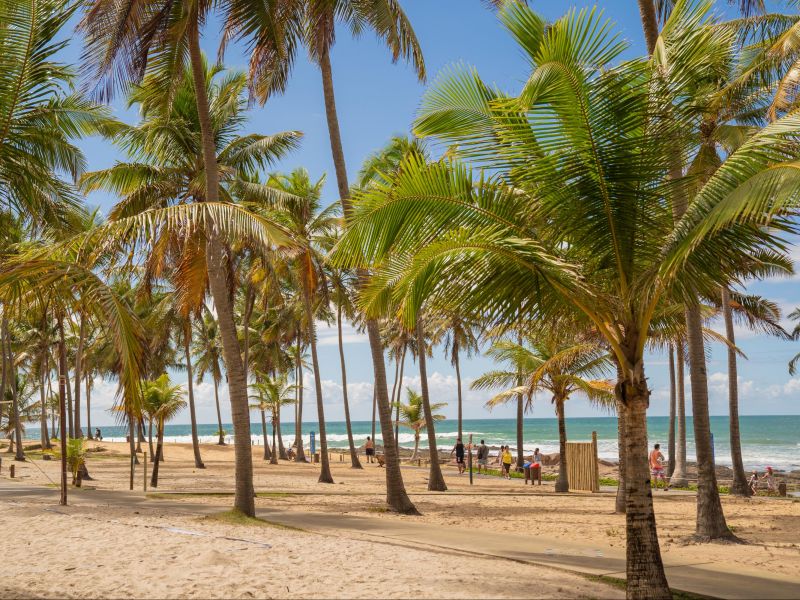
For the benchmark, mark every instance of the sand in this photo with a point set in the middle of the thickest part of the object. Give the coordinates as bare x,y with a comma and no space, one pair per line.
110,551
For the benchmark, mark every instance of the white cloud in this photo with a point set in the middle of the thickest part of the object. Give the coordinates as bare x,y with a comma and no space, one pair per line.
328,335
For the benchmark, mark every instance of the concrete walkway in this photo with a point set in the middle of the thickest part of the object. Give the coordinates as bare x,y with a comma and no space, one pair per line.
704,579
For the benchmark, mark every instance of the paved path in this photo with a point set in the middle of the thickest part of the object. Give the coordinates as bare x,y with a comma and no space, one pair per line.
705,579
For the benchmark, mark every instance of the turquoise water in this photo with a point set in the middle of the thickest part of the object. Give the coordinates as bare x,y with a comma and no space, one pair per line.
766,440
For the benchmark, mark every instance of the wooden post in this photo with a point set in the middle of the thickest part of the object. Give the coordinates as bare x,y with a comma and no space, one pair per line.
11,470
1,464
144,471
595,466
469,459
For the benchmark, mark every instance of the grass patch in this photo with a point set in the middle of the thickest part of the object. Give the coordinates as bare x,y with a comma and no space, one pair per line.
620,584
377,509
608,481
237,517
174,495
274,494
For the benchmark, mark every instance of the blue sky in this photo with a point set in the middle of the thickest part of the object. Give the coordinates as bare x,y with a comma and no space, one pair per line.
377,99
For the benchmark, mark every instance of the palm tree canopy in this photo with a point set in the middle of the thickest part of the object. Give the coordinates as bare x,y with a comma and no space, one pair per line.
162,401
412,414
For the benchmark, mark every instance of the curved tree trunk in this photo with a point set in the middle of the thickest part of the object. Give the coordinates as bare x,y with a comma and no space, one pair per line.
645,570
267,452
220,434
273,460
300,455
19,449
62,410
710,518
562,483
435,478
281,450
354,462
187,340
679,478
79,375
396,496
150,439
218,283
159,454
325,467
398,398
672,402
70,417
739,487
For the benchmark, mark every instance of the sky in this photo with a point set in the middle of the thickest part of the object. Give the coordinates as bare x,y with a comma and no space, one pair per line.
377,99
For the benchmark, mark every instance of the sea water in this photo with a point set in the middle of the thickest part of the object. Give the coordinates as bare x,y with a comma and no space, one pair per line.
766,440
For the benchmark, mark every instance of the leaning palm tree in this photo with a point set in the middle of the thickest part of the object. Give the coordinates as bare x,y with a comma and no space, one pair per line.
575,217
275,30
412,416
162,401
554,363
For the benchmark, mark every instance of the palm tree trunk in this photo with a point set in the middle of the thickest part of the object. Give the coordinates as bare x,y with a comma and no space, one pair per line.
62,399
739,487
645,570
300,455
457,365
710,518
88,382
562,483
79,375
397,399
354,462
374,407
139,434
71,422
281,450
396,496
159,454
520,415
678,478
274,457
672,403
647,11
19,450
218,283
415,456
44,365
619,504
325,470
267,453
150,439
187,341
435,479
220,435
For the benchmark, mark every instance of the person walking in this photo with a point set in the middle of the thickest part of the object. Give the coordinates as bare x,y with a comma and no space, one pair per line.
507,459
483,457
657,467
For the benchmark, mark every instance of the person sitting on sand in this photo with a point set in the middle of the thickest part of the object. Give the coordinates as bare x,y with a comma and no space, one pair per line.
769,477
657,466
97,434
458,449
507,460
483,457
753,483
369,449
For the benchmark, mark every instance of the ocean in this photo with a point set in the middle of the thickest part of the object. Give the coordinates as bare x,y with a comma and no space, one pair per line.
766,440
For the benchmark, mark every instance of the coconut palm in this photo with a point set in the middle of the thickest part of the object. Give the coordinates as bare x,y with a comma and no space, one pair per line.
271,394
118,52
553,363
162,401
412,415
275,30
573,219
208,359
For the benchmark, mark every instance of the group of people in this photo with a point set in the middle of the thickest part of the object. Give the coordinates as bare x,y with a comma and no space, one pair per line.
768,477
504,458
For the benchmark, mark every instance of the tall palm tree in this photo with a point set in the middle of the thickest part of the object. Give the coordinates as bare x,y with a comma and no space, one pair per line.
412,415
275,30
555,364
118,52
208,360
162,401
573,219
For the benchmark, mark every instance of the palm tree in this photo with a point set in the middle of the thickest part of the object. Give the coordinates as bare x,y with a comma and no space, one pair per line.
572,218
118,51
413,416
272,393
277,30
162,401
208,360
554,364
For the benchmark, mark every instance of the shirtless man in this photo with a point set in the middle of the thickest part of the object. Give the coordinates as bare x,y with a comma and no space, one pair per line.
657,466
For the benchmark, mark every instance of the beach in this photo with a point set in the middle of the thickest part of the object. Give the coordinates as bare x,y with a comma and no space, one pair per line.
145,550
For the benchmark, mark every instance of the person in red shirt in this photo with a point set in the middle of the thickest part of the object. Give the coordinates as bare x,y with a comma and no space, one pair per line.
657,466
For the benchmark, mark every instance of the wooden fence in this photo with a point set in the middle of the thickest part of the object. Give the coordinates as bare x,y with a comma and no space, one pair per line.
582,467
